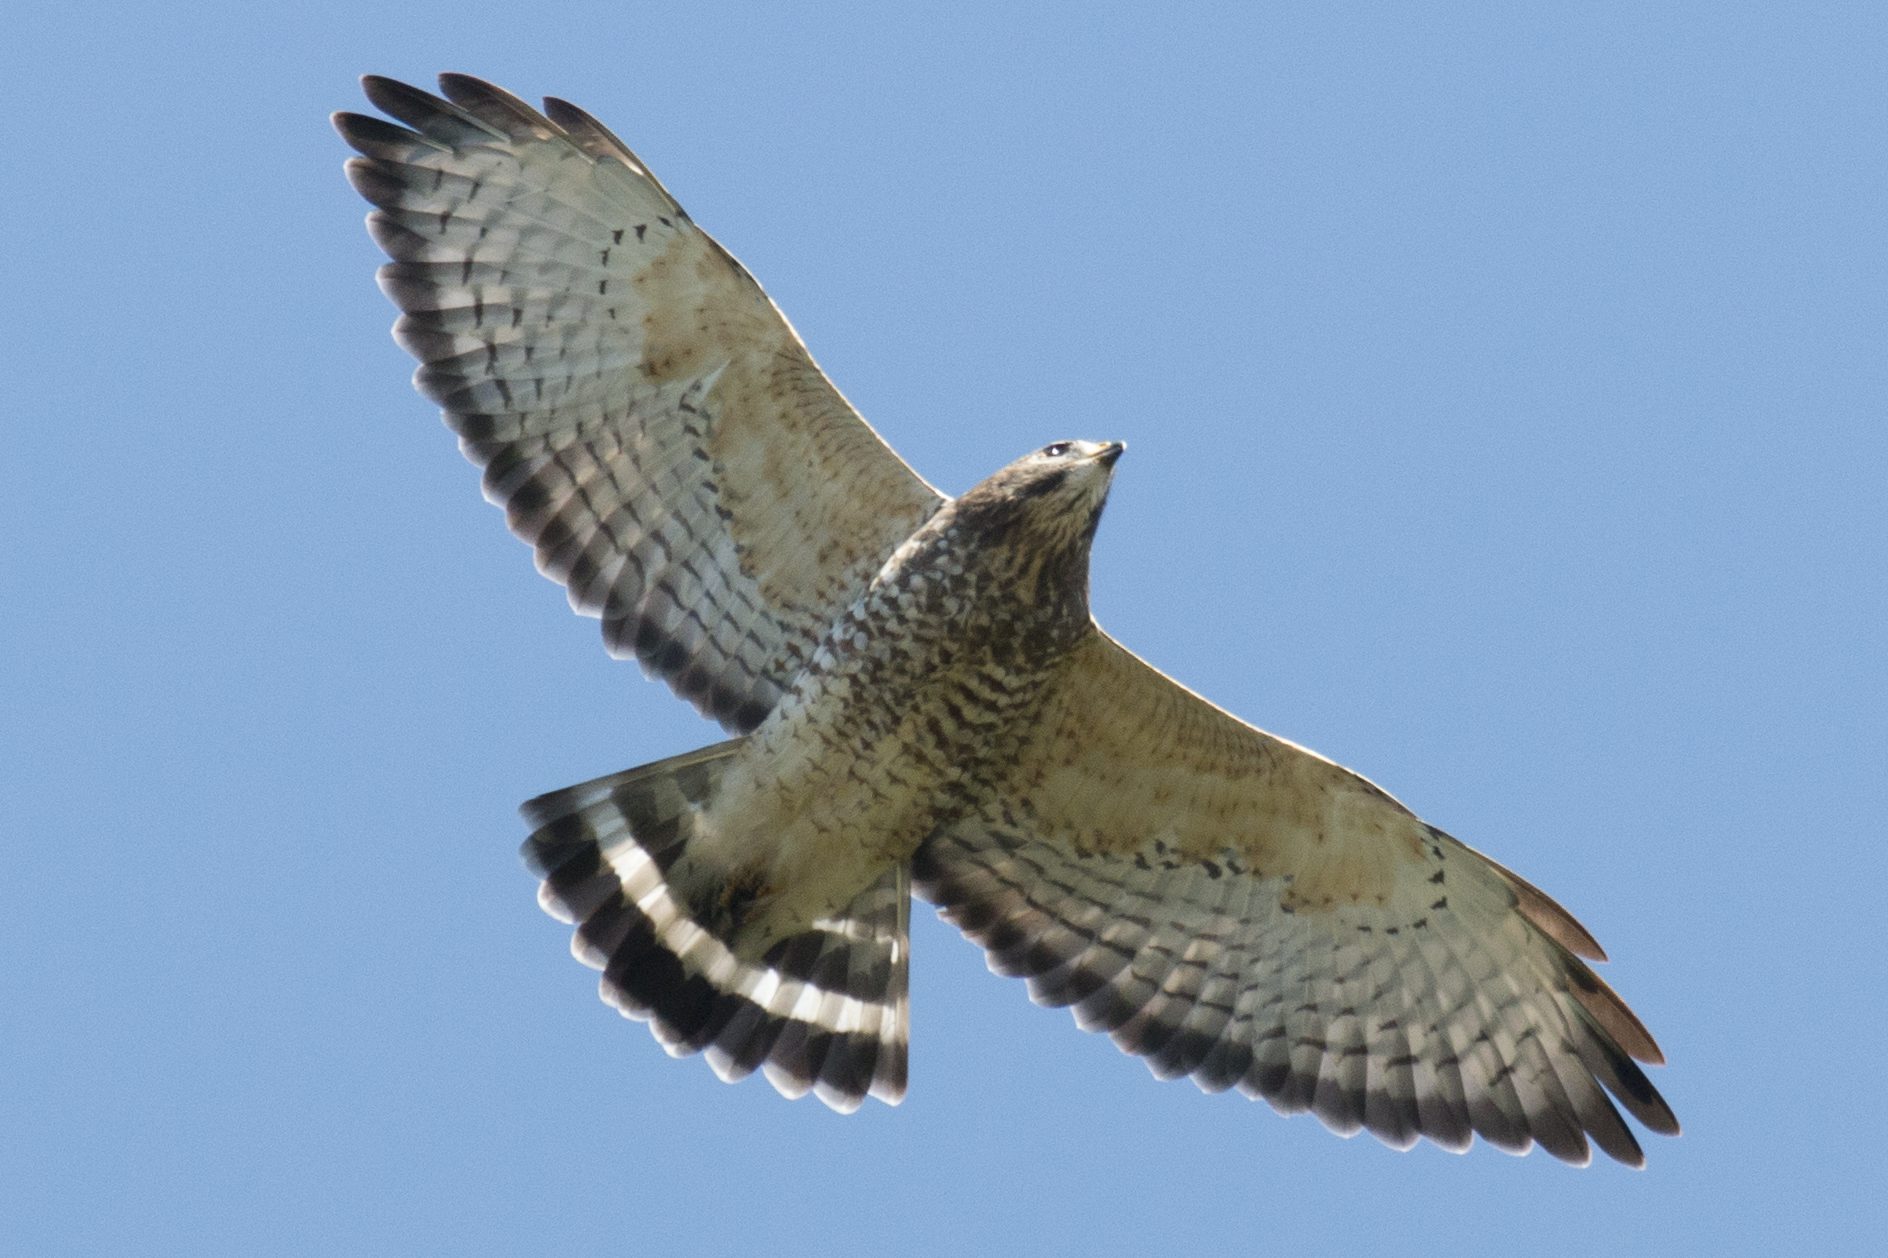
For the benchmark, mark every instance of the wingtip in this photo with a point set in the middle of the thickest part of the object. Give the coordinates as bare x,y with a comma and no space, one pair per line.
451,81
380,88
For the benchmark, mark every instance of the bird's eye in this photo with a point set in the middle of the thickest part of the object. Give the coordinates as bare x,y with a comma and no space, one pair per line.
1057,450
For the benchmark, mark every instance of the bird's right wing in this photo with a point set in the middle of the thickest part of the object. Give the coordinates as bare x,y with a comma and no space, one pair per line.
1241,910
648,419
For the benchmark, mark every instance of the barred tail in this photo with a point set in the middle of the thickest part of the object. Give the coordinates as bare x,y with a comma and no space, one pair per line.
824,1010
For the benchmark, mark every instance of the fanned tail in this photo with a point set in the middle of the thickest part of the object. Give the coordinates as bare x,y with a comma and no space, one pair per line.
823,1011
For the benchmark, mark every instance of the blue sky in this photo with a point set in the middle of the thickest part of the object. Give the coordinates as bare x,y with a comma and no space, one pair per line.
1505,391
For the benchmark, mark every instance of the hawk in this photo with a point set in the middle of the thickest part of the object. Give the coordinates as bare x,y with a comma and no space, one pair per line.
920,701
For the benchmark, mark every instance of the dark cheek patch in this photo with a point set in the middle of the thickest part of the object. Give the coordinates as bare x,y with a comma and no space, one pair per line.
1045,484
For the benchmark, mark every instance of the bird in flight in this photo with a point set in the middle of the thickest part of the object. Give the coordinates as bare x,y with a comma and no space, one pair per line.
920,701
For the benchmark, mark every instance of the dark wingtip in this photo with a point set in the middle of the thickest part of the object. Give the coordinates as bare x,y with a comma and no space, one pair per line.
438,119
454,84
392,96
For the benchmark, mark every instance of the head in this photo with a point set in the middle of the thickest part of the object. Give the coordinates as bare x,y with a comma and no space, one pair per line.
1054,494
1033,520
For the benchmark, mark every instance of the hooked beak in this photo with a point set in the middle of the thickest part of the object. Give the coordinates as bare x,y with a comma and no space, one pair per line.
1110,452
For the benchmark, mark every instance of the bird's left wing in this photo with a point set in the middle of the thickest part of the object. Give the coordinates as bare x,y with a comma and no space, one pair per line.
1241,910
649,421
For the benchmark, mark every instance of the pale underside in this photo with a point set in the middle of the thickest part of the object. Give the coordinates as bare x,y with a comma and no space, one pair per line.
1226,903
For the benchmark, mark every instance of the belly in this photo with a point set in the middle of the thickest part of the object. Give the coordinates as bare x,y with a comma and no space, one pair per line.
846,778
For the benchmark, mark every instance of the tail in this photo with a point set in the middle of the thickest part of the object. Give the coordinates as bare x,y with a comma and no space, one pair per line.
824,1010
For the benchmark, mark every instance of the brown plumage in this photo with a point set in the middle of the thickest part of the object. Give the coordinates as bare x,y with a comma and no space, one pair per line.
922,699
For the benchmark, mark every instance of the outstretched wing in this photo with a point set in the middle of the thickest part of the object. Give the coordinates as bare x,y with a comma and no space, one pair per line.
1241,910
645,415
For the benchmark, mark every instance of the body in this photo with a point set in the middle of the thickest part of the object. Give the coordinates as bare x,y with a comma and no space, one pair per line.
854,769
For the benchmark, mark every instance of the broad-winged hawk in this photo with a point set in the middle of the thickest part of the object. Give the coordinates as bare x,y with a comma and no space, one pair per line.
921,701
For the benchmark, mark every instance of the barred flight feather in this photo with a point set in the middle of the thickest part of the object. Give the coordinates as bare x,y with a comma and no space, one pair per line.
1419,1031
553,293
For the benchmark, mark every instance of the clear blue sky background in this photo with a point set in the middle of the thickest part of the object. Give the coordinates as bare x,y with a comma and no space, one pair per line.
1505,390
